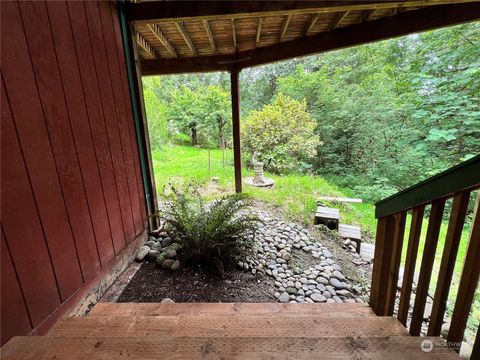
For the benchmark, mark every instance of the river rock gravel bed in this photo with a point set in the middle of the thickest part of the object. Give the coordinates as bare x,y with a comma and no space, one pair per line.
301,269
319,280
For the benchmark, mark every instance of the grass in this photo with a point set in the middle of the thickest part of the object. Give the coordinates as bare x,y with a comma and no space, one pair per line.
297,195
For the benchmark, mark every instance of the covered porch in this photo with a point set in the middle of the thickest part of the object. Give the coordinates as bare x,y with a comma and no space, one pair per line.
184,37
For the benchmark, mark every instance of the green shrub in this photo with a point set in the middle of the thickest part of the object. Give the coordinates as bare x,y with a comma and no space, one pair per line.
283,133
213,234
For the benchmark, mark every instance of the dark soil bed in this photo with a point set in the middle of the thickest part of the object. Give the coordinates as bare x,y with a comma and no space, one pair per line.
195,284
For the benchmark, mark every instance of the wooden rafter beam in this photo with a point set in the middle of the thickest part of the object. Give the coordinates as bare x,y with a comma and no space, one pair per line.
234,35
221,9
384,28
155,29
368,15
208,30
145,46
259,30
186,37
338,20
311,23
284,28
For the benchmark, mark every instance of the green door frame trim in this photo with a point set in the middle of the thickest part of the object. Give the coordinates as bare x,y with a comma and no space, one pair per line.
135,97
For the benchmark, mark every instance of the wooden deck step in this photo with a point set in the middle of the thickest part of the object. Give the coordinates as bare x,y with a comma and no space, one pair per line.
328,217
228,326
226,309
229,331
349,231
161,347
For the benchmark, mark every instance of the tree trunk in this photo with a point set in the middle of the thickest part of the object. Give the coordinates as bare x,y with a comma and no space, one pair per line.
221,140
194,137
460,142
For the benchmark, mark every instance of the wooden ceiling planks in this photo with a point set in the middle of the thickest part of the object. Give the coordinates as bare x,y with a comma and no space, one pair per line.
145,46
211,39
311,23
286,22
219,30
153,11
186,37
155,29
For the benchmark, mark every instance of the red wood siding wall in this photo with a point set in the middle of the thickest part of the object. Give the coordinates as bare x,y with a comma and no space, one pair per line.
71,187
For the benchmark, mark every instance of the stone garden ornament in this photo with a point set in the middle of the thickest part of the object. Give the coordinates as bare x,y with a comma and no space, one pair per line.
258,179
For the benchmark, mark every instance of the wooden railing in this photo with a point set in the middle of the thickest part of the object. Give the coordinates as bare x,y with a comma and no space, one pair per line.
457,183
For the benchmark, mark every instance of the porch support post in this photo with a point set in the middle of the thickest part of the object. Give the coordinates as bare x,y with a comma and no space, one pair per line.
237,157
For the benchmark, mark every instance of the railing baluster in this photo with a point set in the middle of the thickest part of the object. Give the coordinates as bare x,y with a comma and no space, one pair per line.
476,346
468,281
395,264
410,261
426,267
378,258
388,228
449,256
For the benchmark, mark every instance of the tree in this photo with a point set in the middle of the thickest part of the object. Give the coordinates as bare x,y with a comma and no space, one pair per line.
184,111
216,112
283,133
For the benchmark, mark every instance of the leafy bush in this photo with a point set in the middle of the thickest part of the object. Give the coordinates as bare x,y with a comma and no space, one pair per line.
158,129
213,234
283,133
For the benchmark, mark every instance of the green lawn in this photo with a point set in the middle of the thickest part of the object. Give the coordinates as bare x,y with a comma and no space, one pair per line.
297,195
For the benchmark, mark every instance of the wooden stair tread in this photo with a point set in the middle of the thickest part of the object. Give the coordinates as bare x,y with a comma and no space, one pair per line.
250,309
229,326
349,231
226,330
328,213
156,347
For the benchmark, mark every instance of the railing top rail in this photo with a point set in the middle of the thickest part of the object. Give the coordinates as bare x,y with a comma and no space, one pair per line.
463,176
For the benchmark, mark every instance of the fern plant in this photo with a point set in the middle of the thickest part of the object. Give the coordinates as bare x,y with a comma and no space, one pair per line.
213,234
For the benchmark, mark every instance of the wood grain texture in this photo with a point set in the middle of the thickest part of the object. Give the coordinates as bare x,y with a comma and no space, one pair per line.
227,309
18,205
162,347
90,219
468,281
126,146
30,122
51,91
382,263
347,32
60,161
87,70
447,265
227,326
145,12
139,218
227,330
426,267
111,122
14,313
395,263
410,260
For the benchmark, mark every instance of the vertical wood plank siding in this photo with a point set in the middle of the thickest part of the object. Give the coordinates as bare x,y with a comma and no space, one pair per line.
71,187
